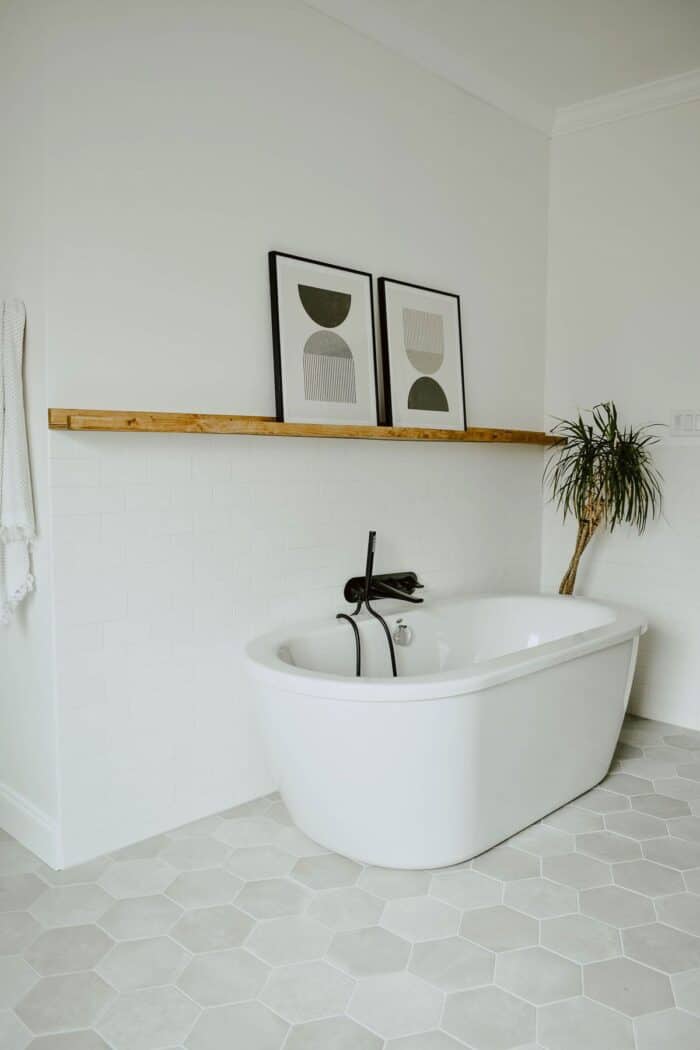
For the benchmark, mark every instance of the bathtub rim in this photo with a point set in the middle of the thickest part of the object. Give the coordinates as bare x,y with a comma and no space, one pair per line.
267,668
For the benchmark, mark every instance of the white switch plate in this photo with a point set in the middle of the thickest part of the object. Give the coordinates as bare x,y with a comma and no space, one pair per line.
685,422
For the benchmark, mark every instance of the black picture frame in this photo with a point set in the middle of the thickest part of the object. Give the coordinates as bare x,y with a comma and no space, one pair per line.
384,332
272,257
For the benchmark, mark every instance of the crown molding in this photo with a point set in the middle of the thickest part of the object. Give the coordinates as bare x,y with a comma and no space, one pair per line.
397,35
646,98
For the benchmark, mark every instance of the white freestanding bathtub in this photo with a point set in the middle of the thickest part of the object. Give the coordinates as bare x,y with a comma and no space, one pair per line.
505,708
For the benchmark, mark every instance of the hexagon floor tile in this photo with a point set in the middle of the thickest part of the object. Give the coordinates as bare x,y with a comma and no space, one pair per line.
148,1018
16,978
540,898
396,1004
326,872
260,862
368,952
272,898
217,978
206,929
628,987
537,975
580,933
420,918
307,991
580,938
466,889
671,1030
294,938
682,911
144,963
452,964
583,1024
489,1019
662,947
136,878
197,889
73,1000
389,883
616,906
686,989
250,1025
67,949
333,1033
576,870
499,928
434,1040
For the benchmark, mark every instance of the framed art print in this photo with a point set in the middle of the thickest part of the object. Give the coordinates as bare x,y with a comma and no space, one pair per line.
423,366
323,339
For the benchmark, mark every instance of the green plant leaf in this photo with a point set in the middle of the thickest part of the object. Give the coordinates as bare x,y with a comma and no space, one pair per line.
604,471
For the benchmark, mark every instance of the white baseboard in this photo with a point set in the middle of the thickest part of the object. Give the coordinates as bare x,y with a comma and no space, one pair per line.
33,828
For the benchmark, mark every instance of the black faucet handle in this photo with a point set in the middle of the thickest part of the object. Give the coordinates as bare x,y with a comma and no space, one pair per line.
407,581
385,585
380,589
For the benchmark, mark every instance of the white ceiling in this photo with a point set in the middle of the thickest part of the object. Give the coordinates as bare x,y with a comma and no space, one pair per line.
534,57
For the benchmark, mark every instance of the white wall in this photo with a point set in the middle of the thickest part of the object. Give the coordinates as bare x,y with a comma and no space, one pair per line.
28,788
185,141
624,323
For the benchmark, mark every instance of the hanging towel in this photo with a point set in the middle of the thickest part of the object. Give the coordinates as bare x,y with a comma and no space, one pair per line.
16,504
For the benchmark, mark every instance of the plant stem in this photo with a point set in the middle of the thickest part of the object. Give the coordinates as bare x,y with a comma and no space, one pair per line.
586,530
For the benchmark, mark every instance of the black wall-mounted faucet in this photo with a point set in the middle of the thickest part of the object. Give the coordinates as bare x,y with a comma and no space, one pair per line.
364,589
399,585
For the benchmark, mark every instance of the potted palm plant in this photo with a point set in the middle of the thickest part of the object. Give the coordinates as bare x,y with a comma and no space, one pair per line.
603,475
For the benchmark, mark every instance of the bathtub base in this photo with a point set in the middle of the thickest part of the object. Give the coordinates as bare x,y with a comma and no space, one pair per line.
428,784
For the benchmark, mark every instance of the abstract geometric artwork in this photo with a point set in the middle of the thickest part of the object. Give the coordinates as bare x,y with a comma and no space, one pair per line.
427,395
325,307
424,339
329,369
422,345
323,336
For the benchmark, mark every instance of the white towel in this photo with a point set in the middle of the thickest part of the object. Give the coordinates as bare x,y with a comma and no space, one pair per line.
16,504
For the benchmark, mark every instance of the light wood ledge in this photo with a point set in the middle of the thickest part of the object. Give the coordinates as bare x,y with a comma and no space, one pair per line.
76,419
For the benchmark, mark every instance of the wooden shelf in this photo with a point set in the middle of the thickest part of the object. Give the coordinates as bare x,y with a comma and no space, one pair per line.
194,423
